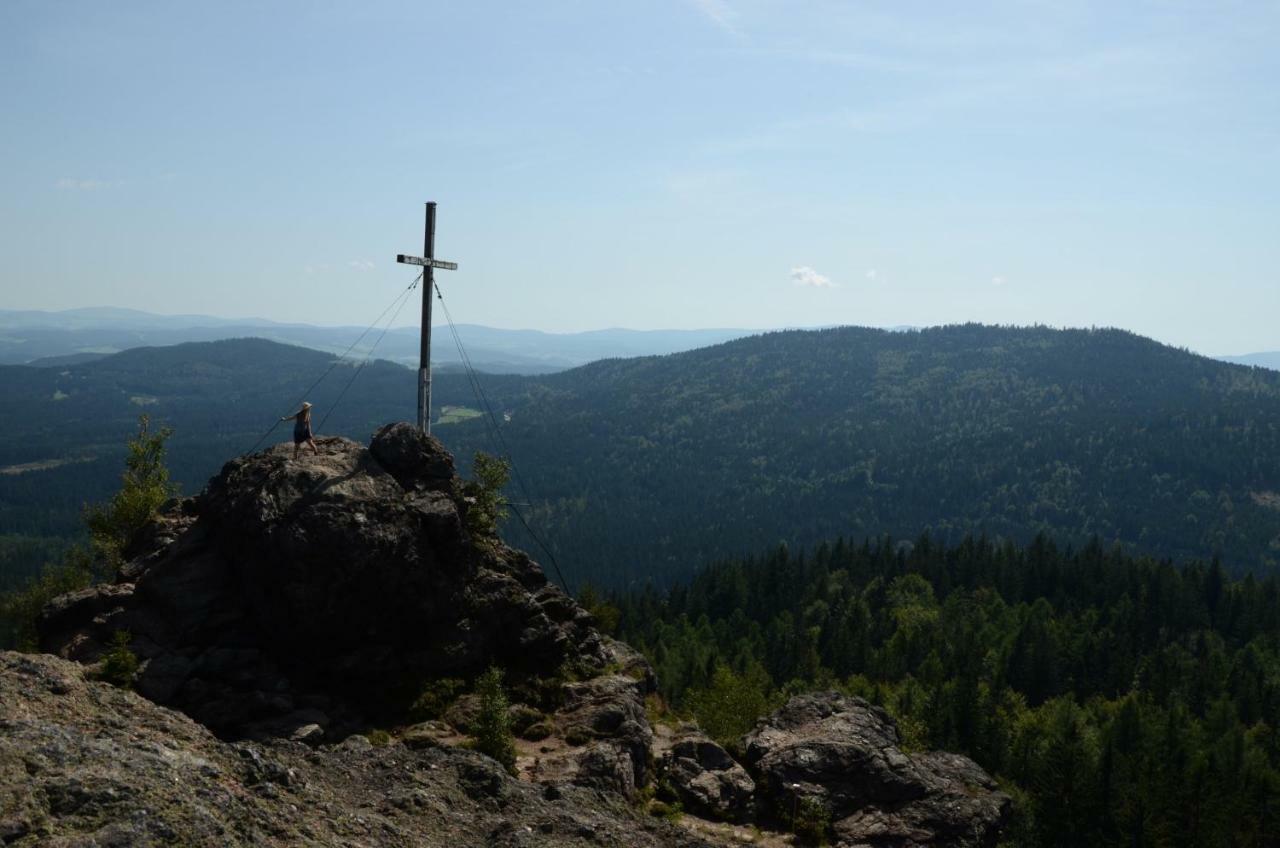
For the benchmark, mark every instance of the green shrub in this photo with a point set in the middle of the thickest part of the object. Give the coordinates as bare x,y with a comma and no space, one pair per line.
144,487
811,821
669,811
537,731
578,736
730,706
492,730
607,615
119,664
486,507
435,698
523,717
19,610
378,738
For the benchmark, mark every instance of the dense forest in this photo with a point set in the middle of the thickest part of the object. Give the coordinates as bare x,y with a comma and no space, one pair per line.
646,469
63,431
1122,700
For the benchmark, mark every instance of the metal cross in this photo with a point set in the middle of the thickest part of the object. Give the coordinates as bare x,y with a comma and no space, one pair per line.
429,263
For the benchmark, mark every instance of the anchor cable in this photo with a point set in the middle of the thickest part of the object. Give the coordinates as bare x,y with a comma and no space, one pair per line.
367,356
336,362
497,438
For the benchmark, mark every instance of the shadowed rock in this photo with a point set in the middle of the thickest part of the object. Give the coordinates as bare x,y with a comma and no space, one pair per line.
844,754
706,779
322,590
83,763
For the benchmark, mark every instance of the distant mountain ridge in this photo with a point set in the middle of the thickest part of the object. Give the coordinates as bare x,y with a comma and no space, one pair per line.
33,337
648,467
1268,359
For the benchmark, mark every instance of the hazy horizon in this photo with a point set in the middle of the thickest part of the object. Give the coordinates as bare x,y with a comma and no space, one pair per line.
438,326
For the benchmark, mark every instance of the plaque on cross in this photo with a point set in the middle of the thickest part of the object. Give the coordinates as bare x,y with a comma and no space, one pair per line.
429,263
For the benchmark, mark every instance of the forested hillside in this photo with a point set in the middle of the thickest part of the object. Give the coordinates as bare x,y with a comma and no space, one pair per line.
645,469
650,467
63,431
1128,701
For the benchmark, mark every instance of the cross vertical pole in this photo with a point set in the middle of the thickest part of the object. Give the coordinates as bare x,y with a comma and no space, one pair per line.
428,264
424,357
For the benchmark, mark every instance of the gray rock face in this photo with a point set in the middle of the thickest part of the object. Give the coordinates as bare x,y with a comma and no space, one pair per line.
707,780
413,458
843,752
310,591
85,764
602,723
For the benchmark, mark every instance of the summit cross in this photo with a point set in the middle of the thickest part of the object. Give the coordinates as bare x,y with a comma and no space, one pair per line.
429,263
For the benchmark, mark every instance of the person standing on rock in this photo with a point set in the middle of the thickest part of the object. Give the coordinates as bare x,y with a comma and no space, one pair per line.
302,429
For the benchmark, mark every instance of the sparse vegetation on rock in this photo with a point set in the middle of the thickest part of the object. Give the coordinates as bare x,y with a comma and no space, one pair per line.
492,726
120,663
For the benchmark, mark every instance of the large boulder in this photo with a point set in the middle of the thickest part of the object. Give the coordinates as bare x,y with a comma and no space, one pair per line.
413,458
706,780
960,807
323,590
843,754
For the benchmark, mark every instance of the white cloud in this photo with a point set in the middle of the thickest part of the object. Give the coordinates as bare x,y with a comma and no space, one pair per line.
872,273
361,264
803,275
997,281
719,13
69,184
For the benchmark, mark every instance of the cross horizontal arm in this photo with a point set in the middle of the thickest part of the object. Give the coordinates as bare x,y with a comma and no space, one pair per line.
427,262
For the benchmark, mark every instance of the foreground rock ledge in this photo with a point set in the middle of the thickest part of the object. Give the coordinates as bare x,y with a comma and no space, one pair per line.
85,764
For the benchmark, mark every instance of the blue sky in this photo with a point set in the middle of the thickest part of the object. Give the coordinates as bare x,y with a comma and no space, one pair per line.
691,163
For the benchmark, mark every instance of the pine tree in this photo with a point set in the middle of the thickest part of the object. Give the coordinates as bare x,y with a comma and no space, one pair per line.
492,732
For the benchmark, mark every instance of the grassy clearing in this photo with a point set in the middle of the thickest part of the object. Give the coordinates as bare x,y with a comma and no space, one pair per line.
454,414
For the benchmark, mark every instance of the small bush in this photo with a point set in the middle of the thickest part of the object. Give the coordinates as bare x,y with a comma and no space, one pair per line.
811,822
606,614
144,487
537,731
486,508
732,704
120,663
671,812
523,717
20,610
435,698
378,738
492,731
578,736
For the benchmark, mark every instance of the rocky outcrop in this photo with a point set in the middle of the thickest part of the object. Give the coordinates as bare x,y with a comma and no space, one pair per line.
601,736
705,779
322,591
294,604
84,764
844,754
